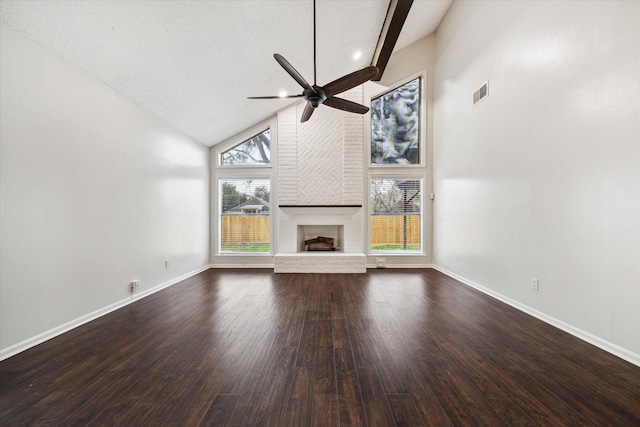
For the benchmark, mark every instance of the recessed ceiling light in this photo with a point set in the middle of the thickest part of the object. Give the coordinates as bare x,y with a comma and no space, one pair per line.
282,94
357,55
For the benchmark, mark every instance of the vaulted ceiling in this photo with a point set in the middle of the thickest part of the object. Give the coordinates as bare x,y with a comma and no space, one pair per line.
193,63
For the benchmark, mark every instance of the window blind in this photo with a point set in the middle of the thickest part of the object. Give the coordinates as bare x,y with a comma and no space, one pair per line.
245,216
395,215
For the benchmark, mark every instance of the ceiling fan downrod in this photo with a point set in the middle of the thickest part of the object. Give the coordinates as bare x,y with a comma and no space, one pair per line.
317,95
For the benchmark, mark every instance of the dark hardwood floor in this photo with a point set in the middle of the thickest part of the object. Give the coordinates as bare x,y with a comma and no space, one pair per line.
252,348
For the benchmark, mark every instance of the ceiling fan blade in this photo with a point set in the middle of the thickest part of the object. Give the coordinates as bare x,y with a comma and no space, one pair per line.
275,97
292,71
351,80
306,114
346,105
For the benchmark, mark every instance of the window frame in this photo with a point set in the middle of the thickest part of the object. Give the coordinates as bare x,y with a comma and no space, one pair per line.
243,137
248,176
397,176
420,171
259,171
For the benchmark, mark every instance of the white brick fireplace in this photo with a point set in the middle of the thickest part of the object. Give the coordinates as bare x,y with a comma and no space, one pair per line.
298,223
320,168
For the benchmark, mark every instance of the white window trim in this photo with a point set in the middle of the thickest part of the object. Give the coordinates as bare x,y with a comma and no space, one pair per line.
417,171
221,171
218,224
228,144
401,176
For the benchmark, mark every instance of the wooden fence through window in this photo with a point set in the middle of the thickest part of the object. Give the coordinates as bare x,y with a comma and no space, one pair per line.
385,229
389,229
245,229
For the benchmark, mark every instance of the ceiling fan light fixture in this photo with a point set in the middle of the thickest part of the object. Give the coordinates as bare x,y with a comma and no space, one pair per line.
317,95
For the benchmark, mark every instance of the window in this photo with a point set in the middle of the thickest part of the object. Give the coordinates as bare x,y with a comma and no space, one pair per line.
245,223
398,170
396,215
254,151
243,193
395,126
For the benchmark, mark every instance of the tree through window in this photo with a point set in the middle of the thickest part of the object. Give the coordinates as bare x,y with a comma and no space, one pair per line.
254,151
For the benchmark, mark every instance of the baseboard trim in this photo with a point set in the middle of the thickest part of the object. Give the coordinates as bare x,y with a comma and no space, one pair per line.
52,333
392,266
236,266
605,345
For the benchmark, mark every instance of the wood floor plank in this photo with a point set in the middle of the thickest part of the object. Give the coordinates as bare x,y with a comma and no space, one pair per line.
392,362
507,396
308,344
325,364
240,347
299,408
463,403
480,375
404,411
374,399
427,405
220,410
340,334
350,405
325,410
363,340
535,396
277,389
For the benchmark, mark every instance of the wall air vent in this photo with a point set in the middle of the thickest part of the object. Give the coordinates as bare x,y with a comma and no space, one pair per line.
481,93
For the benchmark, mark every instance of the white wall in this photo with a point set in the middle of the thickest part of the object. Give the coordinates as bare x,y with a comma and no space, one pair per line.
95,192
542,178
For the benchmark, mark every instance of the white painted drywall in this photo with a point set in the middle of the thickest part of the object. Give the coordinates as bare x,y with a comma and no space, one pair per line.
95,192
542,178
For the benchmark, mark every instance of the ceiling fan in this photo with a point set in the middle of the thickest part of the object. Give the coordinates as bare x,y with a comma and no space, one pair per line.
316,95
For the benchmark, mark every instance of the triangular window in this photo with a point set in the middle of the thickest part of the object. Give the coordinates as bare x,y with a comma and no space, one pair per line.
253,151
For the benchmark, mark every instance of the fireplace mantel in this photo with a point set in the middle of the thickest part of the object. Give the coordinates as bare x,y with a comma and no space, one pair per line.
320,209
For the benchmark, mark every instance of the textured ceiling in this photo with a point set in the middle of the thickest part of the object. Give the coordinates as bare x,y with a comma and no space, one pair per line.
193,63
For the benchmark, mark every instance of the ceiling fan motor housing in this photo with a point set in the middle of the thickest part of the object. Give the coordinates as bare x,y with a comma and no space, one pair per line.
316,96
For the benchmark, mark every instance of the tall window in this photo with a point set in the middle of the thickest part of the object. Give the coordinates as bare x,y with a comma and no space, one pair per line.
397,171
396,215
253,151
395,126
244,215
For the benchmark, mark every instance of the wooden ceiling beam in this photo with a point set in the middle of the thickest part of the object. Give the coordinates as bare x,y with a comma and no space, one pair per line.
393,23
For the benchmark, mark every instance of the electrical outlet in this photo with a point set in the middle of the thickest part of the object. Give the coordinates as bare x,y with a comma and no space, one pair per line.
380,263
135,286
166,263
534,283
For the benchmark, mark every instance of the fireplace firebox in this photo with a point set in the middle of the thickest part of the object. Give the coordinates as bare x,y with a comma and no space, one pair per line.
320,238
